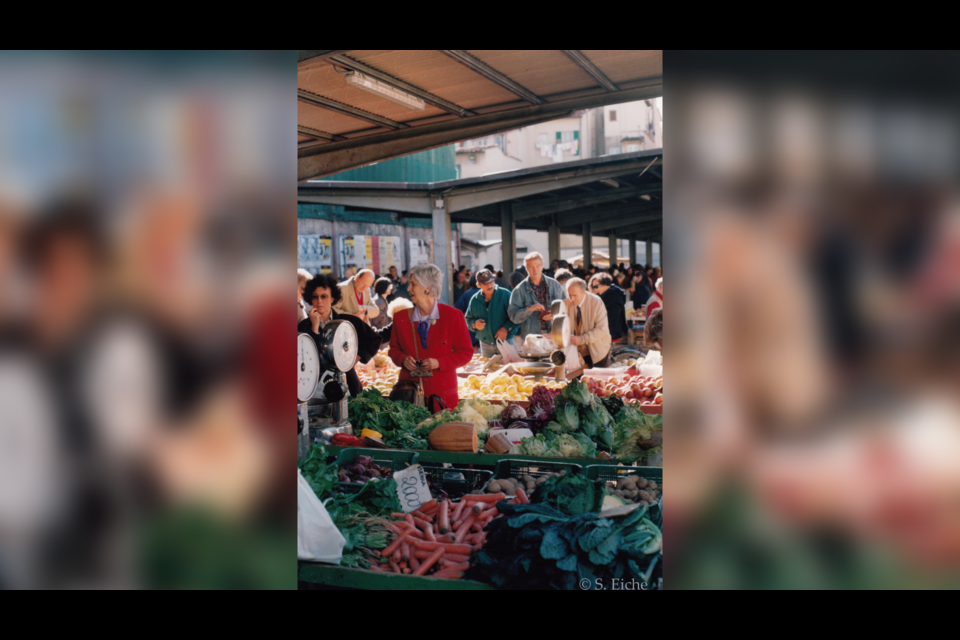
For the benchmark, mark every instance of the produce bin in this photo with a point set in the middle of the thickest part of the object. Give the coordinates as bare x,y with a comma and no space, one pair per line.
615,472
455,481
396,459
533,468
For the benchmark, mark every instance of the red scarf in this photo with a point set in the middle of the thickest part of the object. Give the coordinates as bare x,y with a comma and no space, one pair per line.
359,295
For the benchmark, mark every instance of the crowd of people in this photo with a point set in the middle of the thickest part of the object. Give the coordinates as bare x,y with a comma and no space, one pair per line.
487,312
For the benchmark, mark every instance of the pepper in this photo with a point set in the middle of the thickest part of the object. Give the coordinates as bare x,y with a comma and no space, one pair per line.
345,440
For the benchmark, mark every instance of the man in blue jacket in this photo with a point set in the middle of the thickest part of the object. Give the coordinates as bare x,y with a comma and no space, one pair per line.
463,302
530,302
487,314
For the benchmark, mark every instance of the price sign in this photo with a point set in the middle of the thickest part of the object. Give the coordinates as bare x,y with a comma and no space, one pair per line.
412,490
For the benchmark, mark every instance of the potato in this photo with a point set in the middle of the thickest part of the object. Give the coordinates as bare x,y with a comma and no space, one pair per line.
531,486
628,486
642,483
493,487
644,503
633,479
651,484
510,490
618,493
526,479
541,479
562,472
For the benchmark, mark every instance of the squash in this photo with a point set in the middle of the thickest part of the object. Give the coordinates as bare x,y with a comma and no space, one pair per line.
455,436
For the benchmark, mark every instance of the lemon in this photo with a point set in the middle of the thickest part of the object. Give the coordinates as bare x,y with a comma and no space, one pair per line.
486,390
511,390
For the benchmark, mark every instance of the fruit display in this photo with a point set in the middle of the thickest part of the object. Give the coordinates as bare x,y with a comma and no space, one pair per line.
512,388
382,375
645,390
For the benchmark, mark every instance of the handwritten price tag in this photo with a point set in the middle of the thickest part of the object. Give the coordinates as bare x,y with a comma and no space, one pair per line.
412,489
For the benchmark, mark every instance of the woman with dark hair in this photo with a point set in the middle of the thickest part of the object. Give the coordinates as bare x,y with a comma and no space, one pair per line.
642,289
323,293
653,331
381,289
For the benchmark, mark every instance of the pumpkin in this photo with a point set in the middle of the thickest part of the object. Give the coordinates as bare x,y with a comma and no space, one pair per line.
455,436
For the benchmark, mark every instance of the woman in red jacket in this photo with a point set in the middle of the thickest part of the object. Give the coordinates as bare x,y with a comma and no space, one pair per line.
433,333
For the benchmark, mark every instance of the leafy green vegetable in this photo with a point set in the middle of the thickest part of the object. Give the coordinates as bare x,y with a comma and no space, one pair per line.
569,494
321,477
396,420
632,427
537,547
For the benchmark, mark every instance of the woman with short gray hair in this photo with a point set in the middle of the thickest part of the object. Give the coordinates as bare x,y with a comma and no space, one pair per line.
430,337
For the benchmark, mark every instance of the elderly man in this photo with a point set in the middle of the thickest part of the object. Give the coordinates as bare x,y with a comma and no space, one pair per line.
355,296
530,301
589,330
487,314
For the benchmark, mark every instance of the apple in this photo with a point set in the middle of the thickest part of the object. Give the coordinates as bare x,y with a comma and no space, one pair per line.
658,399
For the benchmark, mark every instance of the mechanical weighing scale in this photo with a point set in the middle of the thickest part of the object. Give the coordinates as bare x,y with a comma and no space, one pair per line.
322,382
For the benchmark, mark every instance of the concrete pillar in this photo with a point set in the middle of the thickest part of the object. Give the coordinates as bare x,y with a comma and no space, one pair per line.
660,247
612,246
649,244
441,249
508,231
553,242
587,246
633,249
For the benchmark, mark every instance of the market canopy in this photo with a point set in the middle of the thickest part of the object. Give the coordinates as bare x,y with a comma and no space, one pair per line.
361,106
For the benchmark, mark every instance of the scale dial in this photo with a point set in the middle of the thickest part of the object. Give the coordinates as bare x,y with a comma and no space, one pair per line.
561,331
344,346
308,367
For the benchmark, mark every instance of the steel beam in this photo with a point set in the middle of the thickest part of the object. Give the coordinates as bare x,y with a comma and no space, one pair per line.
633,249
362,150
469,197
441,252
316,133
553,241
339,107
508,231
584,63
598,214
488,72
396,83
409,203
626,222
525,210
612,246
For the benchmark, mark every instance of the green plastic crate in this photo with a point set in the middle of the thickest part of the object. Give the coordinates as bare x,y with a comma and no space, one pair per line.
454,481
533,468
609,472
387,458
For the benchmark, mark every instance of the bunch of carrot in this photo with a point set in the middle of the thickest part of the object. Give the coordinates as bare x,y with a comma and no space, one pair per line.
438,538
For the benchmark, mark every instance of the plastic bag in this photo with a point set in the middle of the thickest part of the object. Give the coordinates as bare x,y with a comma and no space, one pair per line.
318,539
508,351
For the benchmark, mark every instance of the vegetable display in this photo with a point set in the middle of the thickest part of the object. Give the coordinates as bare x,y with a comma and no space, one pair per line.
395,420
635,489
535,546
636,435
362,469
569,494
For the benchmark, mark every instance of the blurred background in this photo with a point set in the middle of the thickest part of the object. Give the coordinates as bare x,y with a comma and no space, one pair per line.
147,235
813,242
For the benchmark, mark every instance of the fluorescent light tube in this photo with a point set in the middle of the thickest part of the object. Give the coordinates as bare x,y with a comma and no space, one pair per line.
384,90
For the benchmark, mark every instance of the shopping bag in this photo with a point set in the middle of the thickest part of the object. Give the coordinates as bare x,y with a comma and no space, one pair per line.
508,351
318,539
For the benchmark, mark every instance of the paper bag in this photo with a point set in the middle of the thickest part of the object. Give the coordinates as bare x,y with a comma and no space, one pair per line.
508,351
318,539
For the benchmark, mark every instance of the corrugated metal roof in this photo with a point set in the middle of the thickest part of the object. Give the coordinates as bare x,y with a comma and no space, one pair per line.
467,94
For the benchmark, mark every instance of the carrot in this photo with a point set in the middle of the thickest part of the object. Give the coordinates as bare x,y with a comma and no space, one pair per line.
450,547
462,566
428,534
403,565
423,554
405,552
396,555
449,575
449,538
397,515
394,567
409,519
444,520
393,546
415,533
480,507
405,570
429,504
522,496
429,562
375,567
489,497
414,561
465,528
422,524
457,509
477,526
456,557
395,528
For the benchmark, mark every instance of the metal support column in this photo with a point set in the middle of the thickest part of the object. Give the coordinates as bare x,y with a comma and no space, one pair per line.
508,231
649,244
553,240
612,246
441,248
587,246
633,249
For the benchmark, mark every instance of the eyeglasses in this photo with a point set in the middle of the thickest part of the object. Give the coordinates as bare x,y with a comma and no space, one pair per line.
594,286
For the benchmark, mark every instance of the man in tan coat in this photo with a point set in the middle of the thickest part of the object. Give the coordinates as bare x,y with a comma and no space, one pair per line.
589,330
356,296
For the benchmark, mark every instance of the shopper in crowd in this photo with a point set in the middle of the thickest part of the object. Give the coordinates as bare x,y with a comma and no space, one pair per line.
533,297
460,285
397,305
394,281
488,314
642,289
498,277
653,331
355,298
656,300
515,279
401,289
590,330
463,302
302,276
324,294
554,265
432,333
562,275
381,289
614,299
